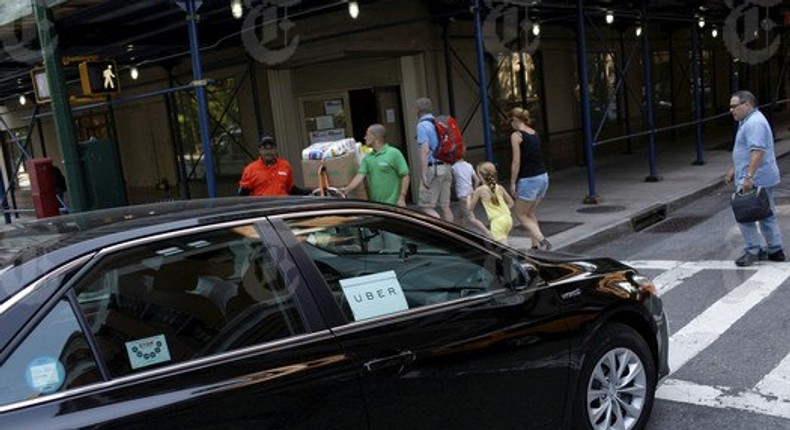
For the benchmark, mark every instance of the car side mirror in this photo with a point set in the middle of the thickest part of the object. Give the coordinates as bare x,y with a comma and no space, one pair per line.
518,275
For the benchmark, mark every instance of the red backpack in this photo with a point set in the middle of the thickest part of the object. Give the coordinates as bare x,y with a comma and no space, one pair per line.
451,141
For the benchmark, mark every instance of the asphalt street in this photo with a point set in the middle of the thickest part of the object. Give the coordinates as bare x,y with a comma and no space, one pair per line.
729,349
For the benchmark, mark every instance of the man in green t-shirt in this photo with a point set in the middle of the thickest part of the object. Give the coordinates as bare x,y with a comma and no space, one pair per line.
385,168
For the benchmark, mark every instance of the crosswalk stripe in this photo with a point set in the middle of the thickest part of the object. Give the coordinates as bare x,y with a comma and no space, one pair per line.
771,396
777,382
702,265
723,397
674,277
725,265
654,264
709,325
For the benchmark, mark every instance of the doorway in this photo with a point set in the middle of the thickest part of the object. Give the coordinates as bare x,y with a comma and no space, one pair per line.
379,105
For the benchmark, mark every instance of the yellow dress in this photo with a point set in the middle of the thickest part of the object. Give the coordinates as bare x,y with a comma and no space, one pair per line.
499,216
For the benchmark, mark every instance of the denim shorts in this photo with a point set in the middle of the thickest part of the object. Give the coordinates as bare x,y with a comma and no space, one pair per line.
532,188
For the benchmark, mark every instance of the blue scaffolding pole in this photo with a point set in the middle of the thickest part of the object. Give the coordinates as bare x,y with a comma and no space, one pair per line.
200,92
584,85
733,69
481,71
647,66
697,90
4,202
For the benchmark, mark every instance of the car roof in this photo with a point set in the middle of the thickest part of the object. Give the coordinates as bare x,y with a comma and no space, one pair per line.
64,238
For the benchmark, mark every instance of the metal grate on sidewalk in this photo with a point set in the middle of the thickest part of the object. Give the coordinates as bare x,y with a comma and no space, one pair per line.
676,224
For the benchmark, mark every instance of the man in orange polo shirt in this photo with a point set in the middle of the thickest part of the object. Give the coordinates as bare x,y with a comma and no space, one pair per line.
269,175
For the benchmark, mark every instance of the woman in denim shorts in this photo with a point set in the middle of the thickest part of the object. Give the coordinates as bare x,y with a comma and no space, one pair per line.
529,180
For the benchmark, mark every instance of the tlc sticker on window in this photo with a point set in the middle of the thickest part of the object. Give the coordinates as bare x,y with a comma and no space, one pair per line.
45,375
146,352
374,295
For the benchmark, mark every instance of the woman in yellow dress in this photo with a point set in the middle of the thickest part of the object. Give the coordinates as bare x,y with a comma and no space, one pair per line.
496,202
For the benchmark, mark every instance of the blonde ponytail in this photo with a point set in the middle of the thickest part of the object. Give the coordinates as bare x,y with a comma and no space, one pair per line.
487,172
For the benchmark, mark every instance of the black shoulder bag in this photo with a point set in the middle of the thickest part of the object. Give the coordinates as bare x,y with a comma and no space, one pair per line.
751,206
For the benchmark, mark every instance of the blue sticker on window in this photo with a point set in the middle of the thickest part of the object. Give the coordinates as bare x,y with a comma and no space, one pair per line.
45,375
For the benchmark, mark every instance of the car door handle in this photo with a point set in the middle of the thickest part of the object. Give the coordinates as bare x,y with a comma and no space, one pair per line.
400,359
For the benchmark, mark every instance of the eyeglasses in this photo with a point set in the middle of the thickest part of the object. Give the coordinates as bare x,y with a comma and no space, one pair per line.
736,105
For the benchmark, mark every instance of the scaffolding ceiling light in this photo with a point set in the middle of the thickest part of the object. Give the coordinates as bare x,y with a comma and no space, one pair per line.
236,9
353,9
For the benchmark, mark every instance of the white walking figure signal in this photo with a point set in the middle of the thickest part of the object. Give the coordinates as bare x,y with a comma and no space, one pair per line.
109,77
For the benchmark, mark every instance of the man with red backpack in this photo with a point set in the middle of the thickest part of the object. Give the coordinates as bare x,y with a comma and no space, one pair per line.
437,174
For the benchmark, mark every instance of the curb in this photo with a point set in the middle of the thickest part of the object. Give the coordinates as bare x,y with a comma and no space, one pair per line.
605,234
631,225
694,195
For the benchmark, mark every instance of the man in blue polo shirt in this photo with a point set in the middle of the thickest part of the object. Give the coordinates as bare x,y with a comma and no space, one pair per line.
437,177
754,165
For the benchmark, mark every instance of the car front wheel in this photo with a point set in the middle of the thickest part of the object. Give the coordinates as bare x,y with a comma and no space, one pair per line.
617,381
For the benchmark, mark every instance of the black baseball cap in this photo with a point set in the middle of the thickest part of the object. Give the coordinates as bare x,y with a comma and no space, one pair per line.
267,141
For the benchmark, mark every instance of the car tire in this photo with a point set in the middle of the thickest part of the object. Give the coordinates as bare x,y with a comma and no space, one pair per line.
622,402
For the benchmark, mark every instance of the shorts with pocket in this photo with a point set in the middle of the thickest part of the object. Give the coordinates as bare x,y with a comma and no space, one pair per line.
438,192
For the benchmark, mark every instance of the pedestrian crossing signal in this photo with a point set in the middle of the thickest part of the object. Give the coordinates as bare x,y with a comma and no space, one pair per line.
99,78
40,85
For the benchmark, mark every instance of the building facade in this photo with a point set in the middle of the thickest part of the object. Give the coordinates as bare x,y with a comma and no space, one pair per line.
316,72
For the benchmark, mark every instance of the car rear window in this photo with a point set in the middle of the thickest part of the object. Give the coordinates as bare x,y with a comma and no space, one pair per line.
53,358
187,297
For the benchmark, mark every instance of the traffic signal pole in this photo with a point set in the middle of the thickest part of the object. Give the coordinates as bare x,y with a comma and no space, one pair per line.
61,110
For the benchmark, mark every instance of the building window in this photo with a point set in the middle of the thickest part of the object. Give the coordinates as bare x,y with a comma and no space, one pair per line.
230,155
662,90
708,70
603,87
11,156
513,88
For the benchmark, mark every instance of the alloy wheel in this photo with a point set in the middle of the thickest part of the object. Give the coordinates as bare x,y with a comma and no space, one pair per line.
616,391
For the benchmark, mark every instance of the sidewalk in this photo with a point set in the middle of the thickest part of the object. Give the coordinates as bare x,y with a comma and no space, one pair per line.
627,202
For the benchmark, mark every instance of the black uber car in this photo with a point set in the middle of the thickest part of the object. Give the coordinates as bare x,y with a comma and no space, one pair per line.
306,313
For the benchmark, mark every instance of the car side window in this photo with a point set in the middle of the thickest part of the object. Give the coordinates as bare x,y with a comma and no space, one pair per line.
54,357
186,297
376,265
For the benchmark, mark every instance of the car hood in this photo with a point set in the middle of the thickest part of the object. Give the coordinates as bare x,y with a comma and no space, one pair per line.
560,267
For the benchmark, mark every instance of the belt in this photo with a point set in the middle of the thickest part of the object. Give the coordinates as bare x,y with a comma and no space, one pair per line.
435,163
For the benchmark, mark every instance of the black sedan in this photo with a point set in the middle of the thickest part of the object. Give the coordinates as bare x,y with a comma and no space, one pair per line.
305,313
